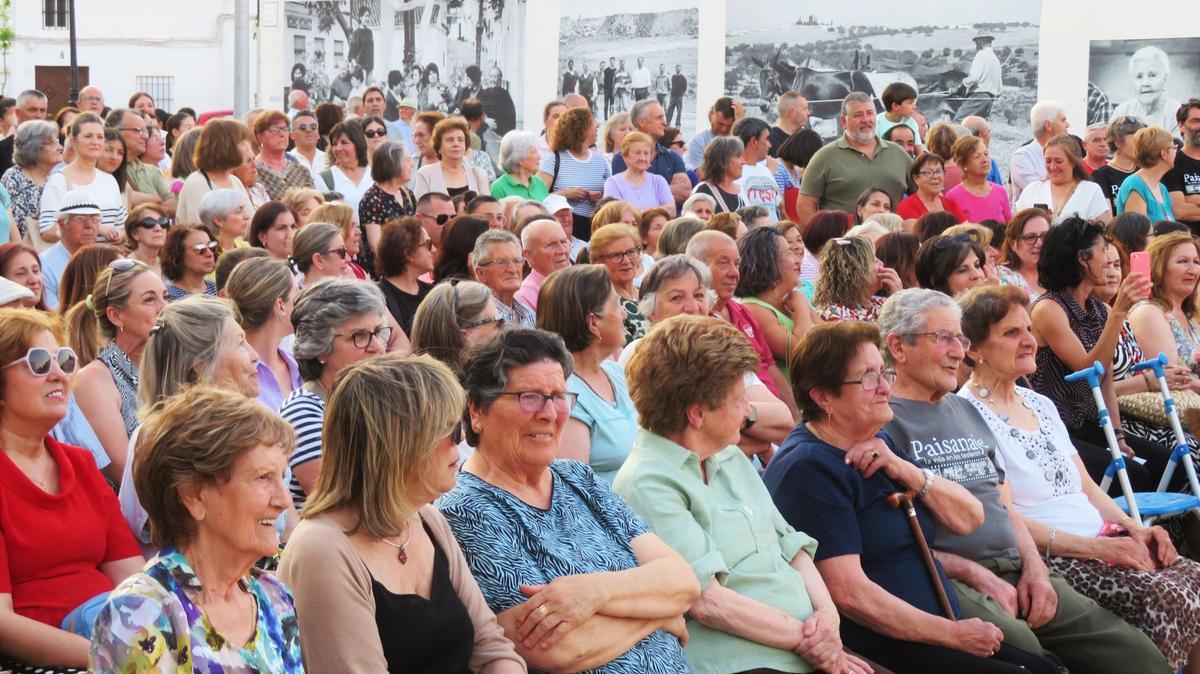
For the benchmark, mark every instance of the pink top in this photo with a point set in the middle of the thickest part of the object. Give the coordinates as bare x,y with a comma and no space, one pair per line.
744,321
994,206
528,292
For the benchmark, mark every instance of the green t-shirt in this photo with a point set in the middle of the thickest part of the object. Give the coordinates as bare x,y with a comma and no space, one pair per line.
505,186
146,178
838,174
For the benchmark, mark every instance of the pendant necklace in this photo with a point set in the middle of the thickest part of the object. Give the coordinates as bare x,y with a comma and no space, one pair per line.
401,554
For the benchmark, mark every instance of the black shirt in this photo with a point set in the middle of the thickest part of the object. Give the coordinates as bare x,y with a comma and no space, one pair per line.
732,201
778,137
1109,179
6,153
1185,178
402,305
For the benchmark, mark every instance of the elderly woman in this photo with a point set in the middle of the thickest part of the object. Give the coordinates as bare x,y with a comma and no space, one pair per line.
824,226
1124,162
763,606
347,157
377,574
276,171
263,291
1073,330
636,184
64,545
951,264
833,479
768,289
1022,250
721,168
319,252
618,248
120,314
977,198
188,258
573,170
699,205
272,228
83,173
1143,192
36,151
21,265
1066,191
1167,321
387,199
615,129
209,483
678,232
580,305
338,322
546,589
851,278
519,157
1131,570
227,214
218,153
928,174
451,174
145,233
457,246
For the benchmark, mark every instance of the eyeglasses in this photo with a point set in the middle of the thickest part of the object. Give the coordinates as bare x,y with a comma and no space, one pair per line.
440,219
375,134
1030,239
871,378
211,247
632,254
503,262
931,174
277,129
362,338
340,252
533,401
151,223
945,338
140,132
469,325
39,361
306,127
427,243
679,143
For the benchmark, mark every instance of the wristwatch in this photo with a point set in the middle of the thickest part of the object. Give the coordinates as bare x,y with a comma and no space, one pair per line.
750,420
929,475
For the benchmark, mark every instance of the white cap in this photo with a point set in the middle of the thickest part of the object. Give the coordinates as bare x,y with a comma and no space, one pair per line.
555,203
11,291
78,202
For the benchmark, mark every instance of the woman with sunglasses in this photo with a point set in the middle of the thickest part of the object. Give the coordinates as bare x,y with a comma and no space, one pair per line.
188,256
338,322
454,317
64,546
593,589
319,252
276,171
376,572
928,173
114,324
405,255
146,232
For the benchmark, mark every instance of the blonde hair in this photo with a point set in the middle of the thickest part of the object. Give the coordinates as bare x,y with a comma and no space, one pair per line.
608,234
1160,258
337,214
888,220
612,212
295,197
183,347
384,419
253,286
635,137
88,325
847,266
1150,141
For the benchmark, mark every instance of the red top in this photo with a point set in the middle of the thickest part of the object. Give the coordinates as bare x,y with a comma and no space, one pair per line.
911,208
52,545
744,321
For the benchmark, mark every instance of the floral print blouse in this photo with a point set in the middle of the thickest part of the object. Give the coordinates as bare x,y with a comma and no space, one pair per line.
868,313
150,624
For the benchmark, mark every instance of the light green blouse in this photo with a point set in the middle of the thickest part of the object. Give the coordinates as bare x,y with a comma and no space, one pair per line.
728,529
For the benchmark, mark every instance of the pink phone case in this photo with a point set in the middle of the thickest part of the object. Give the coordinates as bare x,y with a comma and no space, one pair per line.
1139,263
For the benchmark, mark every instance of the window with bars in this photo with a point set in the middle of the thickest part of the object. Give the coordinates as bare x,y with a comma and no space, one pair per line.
160,87
55,13
299,49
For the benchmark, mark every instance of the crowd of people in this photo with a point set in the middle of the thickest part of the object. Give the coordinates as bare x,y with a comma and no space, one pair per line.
357,390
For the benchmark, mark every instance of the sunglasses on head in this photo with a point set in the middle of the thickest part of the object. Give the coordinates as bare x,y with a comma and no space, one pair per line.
211,247
948,241
151,223
39,360
374,134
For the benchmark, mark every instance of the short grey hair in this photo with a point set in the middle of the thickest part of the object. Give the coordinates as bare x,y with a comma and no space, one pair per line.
904,312
490,237
852,98
387,163
668,269
973,126
700,247
320,309
697,197
28,94
514,147
677,233
31,137
219,204
639,110
527,234
1042,113
1152,53
785,101
750,215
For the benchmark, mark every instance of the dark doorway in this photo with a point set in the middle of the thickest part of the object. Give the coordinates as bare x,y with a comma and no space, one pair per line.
55,82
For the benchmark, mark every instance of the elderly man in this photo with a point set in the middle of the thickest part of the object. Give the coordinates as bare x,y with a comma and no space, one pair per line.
980,128
498,264
719,253
839,172
648,117
721,117
31,104
758,186
297,102
546,247
91,99
793,116
434,210
1183,181
1149,67
983,81
557,206
1047,119
78,226
1095,147
146,183
997,570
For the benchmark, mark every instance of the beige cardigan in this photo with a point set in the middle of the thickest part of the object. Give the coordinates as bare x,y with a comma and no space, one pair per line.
430,179
336,607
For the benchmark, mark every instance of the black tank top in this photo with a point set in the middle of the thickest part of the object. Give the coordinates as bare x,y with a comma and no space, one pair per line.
430,636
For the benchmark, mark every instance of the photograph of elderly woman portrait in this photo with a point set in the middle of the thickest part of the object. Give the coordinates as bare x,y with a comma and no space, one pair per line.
1146,79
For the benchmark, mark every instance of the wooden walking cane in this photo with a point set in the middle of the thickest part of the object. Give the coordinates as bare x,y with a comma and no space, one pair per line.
902,499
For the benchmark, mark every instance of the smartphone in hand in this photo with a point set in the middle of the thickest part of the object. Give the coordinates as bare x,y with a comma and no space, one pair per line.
1139,263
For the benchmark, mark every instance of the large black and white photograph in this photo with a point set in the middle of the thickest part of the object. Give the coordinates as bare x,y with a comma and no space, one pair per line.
614,53
1147,79
963,59
434,53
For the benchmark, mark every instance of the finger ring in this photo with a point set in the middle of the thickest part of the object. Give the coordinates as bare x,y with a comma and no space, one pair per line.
874,454
543,611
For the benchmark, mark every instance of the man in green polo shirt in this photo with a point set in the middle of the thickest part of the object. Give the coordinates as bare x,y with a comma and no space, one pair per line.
145,181
845,168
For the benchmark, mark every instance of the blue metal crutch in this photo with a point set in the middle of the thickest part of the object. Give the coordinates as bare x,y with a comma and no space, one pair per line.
1093,375
1162,502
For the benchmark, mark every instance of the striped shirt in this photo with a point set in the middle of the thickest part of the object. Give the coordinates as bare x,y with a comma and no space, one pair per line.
305,411
589,174
102,190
